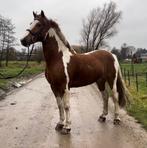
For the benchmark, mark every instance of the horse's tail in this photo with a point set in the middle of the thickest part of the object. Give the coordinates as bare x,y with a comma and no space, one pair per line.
123,93
121,90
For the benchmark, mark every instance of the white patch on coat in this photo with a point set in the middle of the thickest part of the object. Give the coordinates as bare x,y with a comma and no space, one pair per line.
64,50
115,93
90,52
61,110
93,51
33,24
66,59
116,65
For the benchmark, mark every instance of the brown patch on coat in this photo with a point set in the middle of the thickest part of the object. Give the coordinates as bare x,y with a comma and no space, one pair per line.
97,67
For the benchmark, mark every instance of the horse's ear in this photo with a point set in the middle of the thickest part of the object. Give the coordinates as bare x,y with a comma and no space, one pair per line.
42,13
34,14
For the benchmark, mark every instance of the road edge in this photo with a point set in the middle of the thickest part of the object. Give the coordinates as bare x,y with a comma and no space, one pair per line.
27,81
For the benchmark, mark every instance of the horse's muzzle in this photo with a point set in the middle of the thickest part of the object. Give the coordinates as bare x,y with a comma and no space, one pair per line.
24,42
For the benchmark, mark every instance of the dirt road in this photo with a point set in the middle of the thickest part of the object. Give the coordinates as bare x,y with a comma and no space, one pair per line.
29,114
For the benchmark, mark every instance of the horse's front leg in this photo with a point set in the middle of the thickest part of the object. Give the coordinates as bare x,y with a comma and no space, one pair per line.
66,100
60,104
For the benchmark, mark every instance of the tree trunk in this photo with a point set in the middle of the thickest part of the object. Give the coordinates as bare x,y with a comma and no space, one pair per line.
7,57
1,56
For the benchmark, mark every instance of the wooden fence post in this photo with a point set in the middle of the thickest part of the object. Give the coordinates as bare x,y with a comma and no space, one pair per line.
122,71
128,77
132,68
125,74
146,79
137,82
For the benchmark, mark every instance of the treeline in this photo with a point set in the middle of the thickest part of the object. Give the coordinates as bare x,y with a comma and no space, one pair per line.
128,52
21,55
7,38
8,43
37,54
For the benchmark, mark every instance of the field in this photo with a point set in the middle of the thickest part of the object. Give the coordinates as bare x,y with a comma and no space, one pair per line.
138,106
14,68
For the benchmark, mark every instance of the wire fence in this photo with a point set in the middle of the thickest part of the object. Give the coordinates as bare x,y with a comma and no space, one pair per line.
139,79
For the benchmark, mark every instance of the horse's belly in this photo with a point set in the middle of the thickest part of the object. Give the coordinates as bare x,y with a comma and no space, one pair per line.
82,81
79,84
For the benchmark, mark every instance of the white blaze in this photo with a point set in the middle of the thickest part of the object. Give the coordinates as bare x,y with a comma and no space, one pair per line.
33,24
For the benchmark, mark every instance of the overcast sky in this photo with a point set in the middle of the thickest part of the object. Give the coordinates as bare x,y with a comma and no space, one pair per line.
69,14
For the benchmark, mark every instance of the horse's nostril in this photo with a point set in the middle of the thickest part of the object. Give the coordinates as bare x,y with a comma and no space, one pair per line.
23,42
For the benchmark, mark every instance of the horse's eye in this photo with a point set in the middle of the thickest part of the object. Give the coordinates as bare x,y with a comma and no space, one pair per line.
39,25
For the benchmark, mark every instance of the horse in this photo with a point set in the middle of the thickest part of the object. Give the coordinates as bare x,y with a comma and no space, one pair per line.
66,69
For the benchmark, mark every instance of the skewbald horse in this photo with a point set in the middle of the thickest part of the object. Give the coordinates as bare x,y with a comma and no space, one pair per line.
65,69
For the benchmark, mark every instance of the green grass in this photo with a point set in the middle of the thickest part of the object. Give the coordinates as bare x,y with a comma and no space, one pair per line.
15,67
137,67
138,106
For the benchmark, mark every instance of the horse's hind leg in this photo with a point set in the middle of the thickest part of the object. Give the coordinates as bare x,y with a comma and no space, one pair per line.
115,101
104,93
112,84
105,97
116,106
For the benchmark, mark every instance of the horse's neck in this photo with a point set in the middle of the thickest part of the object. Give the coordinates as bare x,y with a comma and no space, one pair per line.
53,47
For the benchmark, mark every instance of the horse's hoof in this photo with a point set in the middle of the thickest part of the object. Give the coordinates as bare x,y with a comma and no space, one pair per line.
59,127
116,121
102,119
65,131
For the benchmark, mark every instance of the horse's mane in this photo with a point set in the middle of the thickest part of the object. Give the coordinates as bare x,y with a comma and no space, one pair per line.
60,34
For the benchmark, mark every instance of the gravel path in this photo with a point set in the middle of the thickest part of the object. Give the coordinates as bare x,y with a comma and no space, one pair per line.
29,114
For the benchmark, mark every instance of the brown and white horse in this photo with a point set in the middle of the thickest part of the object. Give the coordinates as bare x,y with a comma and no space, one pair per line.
65,69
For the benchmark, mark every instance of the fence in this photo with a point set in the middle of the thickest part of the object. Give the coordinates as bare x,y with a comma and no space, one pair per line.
139,79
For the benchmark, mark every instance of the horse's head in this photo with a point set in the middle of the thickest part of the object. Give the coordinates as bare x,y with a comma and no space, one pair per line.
37,30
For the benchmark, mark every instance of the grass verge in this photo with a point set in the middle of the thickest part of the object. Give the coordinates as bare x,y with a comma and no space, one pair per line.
15,67
138,106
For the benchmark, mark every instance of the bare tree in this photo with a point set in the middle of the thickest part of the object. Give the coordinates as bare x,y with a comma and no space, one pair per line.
87,29
7,39
10,39
100,26
2,37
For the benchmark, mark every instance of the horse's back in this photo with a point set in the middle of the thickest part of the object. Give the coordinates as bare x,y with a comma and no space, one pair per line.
101,58
102,55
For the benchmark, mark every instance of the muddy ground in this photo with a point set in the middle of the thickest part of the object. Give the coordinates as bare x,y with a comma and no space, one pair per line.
29,114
